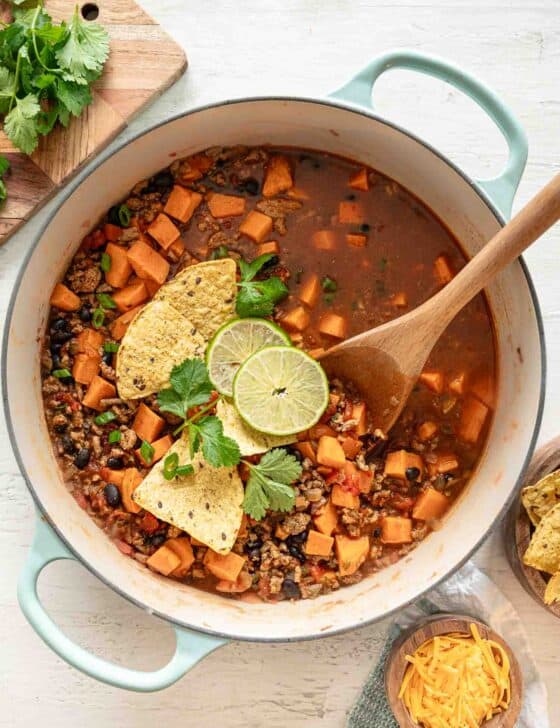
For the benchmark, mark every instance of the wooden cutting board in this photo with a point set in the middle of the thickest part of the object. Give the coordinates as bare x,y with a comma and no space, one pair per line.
143,62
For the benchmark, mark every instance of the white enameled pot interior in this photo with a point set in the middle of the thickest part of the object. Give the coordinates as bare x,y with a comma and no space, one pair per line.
327,127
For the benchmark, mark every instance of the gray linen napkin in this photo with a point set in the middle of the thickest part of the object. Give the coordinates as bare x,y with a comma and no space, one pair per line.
470,592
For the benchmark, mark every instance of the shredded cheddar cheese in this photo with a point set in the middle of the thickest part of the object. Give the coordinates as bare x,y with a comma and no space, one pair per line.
456,681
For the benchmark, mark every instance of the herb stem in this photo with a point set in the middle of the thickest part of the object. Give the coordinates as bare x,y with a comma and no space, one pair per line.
16,79
197,415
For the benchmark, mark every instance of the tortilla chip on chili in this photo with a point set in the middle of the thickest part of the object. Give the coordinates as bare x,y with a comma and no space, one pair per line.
543,552
250,441
204,293
552,591
540,498
206,504
158,339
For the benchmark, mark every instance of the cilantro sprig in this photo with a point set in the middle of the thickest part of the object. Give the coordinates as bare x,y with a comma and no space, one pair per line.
4,167
258,298
191,387
269,484
46,71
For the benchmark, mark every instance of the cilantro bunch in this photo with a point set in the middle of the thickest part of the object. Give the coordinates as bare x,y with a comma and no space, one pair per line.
269,482
46,71
258,298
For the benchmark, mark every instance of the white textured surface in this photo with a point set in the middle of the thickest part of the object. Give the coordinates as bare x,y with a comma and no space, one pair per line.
302,47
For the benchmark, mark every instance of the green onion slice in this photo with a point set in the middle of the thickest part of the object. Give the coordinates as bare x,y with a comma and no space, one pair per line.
124,215
105,262
98,318
105,300
105,417
114,436
147,452
111,347
62,373
170,465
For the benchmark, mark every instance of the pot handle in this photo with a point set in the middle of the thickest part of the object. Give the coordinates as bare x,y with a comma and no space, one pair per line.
190,648
500,190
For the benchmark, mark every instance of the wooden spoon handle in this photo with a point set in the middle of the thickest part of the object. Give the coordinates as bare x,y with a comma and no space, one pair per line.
539,214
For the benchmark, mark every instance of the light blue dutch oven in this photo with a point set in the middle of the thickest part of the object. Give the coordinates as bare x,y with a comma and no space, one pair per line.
345,124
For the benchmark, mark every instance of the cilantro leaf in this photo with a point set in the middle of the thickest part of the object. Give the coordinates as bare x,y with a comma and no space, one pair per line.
269,482
20,126
258,298
3,191
170,401
249,270
190,379
218,450
85,50
74,96
251,302
4,165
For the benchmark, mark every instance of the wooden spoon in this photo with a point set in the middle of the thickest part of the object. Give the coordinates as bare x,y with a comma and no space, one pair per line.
384,363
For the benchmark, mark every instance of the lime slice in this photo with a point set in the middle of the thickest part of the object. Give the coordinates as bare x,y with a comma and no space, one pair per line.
280,390
233,343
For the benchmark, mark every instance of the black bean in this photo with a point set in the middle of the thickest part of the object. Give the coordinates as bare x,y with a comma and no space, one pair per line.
297,539
250,186
66,380
59,324
61,337
60,427
115,462
376,533
68,445
85,314
82,457
112,495
290,589
412,473
298,456
254,555
56,362
113,216
157,539
364,227
55,348
296,553
351,197
249,545
108,358
163,180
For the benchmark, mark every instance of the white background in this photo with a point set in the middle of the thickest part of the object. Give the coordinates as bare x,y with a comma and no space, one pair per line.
238,48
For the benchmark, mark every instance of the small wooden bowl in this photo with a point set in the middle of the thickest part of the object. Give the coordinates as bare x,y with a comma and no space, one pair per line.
437,625
518,528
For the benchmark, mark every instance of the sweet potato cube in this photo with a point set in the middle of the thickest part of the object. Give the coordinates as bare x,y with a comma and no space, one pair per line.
174,252
396,530
359,413
98,389
119,326
434,380
148,263
473,417
89,341
332,324
430,505
120,270
164,560
131,296
351,447
399,461
131,480
457,385
224,566
330,452
324,240
344,498
318,544
86,367
446,463
310,290
307,450
64,299
225,205
359,180
112,476
163,231
296,320
399,300
112,232
181,546
350,553
326,519
427,430
356,240
316,353
270,247
350,212
443,271
277,176
147,424
182,203
256,226
160,446
195,167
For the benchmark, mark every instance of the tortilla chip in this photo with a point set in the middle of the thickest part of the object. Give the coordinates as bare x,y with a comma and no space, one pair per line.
552,591
204,293
158,339
544,548
250,441
206,505
540,498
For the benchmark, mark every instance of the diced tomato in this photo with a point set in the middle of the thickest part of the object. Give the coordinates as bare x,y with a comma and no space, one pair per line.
149,523
317,572
334,477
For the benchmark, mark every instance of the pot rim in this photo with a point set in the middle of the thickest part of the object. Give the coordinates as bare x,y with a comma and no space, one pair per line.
67,193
